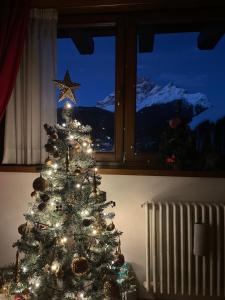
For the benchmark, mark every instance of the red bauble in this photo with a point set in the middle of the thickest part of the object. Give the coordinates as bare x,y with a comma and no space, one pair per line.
174,123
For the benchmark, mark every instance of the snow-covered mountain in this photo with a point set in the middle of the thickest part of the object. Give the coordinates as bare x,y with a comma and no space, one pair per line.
149,93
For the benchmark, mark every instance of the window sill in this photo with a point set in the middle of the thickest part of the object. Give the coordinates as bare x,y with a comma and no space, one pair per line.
122,171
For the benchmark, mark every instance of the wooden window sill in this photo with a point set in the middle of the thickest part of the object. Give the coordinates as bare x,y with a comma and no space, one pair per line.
123,171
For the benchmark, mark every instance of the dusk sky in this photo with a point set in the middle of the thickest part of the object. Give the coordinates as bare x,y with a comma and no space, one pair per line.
175,58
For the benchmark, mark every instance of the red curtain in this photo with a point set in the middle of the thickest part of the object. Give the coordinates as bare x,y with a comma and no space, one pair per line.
14,17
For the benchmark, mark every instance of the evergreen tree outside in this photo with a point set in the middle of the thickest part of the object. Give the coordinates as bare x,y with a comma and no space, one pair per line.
69,246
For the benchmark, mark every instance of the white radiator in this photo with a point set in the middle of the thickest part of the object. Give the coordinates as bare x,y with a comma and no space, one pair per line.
171,266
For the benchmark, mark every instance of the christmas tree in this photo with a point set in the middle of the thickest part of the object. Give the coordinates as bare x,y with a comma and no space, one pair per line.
69,246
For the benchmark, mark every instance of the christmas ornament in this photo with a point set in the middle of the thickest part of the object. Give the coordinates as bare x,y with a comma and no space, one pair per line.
48,161
110,227
119,258
111,289
40,184
33,194
44,197
42,206
79,265
174,123
24,229
56,154
67,88
87,222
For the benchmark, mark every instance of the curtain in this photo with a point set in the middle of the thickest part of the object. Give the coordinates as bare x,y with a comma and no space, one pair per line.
14,16
33,103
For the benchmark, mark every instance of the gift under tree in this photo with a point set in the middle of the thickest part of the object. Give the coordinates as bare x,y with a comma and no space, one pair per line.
69,246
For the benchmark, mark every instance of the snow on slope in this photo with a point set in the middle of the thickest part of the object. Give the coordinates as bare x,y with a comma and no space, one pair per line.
149,94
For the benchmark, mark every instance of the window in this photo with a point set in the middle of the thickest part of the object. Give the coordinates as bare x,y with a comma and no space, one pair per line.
89,54
138,81
180,97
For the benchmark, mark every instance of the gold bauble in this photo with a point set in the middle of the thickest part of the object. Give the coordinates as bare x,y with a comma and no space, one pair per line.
79,265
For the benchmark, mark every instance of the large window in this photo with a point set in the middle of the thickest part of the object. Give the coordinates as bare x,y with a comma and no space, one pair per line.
153,93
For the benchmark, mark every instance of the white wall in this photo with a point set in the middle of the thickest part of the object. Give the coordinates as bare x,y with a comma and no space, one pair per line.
129,192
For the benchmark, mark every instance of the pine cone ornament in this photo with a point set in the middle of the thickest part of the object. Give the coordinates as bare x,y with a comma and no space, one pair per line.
79,265
40,184
111,289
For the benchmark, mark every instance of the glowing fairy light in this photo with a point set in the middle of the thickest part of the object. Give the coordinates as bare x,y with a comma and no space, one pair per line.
55,166
71,137
63,124
24,269
81,295
63,240
85,144
94,232
78,185
84,213
68,105
49,172
57,225
96,169
32,212
89,150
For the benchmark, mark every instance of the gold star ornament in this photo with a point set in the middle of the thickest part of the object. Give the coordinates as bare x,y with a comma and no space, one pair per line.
67,88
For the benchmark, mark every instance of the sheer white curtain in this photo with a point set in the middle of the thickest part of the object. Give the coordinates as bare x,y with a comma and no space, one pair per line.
33,100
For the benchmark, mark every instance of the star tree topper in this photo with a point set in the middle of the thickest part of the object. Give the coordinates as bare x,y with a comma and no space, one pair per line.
67,88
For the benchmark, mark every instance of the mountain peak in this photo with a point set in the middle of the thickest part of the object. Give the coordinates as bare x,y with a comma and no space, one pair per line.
150,93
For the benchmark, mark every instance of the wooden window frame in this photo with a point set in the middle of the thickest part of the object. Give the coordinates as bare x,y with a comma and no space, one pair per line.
124,161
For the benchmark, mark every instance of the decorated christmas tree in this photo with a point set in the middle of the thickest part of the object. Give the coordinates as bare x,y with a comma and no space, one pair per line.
69,246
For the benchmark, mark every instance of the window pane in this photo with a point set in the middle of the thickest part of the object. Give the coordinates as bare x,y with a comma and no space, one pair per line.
89,55
177,80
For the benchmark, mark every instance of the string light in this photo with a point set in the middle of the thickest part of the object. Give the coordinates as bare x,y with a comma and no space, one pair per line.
55,266
84,213
85,144
81,295
57,225
63,240
49,172
89,150
94,231
55,166
24,269
68,105
71,137
96,169
32,212
78,185
63,124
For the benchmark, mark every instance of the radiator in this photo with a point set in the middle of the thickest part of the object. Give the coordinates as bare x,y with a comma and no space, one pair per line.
171,266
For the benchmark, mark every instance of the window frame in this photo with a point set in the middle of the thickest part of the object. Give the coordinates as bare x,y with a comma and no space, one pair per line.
123,161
